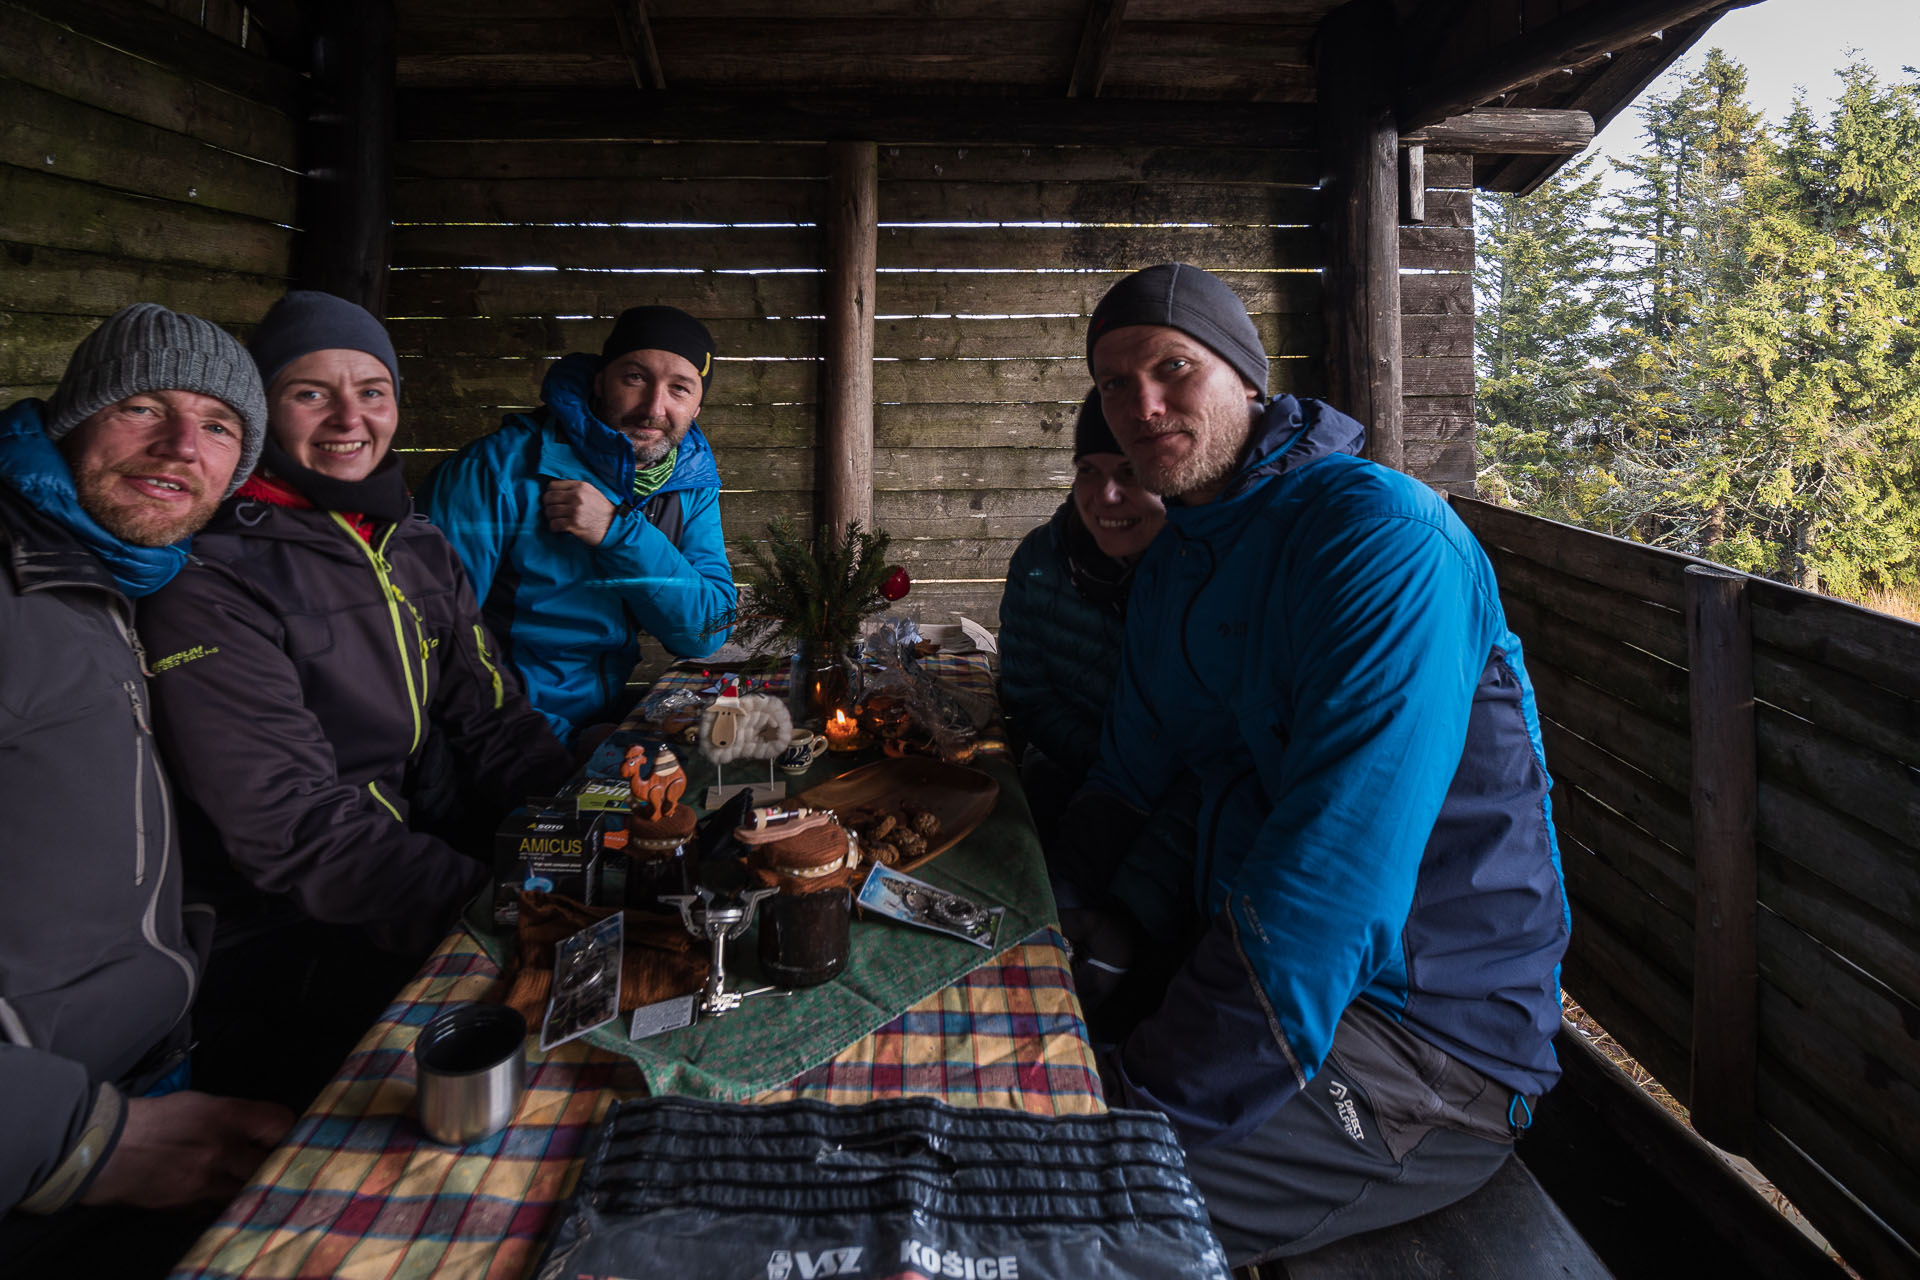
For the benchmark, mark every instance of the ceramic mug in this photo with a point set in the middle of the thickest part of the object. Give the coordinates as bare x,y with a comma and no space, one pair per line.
802,750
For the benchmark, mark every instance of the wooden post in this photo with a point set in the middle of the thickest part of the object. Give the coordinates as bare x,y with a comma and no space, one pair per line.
346,246
1413,185
1361,155
852,249
1725,786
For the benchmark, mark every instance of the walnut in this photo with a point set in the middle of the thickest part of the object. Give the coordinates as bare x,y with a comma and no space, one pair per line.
925,822
910,843
884,852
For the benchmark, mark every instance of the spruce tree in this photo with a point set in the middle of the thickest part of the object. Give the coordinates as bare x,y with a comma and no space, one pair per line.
1543,299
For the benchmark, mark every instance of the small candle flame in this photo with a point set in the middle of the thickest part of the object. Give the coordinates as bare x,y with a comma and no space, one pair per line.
840,718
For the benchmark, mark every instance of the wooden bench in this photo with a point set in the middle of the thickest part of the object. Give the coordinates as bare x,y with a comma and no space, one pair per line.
1509,1229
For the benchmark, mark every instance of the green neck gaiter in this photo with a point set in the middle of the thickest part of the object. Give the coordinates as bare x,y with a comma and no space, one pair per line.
647,480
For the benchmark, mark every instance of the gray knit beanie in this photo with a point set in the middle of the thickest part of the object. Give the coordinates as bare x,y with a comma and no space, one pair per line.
146,347
1197,303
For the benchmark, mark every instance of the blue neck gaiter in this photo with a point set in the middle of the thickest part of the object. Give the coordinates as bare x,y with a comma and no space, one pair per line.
31,464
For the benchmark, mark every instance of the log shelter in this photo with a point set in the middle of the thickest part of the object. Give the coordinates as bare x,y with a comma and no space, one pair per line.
896,215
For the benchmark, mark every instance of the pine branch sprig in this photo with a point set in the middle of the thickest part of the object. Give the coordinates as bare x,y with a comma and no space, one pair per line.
818,592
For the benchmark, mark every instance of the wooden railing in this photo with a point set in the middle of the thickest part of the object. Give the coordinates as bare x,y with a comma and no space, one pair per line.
1746,901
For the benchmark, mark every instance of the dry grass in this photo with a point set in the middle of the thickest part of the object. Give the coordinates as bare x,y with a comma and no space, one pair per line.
1616,1053
1902,603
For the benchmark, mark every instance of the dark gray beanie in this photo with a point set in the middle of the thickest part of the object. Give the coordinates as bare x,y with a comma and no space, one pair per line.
146,347
1091,434
306,321
1197,303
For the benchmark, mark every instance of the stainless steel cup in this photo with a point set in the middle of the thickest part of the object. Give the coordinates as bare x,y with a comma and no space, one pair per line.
471,1064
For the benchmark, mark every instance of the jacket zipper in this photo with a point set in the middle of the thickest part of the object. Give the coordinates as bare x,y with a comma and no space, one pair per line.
416,690
384,802
480,647
144,765
1203,888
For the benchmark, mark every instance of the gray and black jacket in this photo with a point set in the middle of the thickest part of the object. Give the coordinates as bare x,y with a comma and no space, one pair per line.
97,963
301,675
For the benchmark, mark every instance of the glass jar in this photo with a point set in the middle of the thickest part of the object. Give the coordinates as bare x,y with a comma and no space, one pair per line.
804,937
653,873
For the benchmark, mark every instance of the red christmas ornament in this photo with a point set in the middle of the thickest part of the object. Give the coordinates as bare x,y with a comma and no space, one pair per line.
895,584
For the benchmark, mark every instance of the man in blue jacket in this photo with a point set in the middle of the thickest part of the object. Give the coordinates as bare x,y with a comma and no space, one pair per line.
596,518
1365,1019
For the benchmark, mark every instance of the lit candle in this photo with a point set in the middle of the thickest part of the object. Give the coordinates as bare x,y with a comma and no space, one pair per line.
843,732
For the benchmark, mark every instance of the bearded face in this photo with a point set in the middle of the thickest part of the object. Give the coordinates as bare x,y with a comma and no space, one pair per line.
1181,413
151,468
651,398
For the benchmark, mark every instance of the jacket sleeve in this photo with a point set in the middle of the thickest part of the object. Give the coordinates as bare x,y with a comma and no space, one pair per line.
682,595
1381,627
1036,710
468,499
506,748
60,1129
240,743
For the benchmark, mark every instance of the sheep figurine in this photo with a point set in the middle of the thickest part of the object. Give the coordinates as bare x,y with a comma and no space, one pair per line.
756,726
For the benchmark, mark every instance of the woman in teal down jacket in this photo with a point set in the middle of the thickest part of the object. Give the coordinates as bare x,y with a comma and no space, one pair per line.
1062,616
1064,611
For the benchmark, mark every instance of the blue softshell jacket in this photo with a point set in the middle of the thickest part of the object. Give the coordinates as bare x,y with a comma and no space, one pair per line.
1324,646
568,615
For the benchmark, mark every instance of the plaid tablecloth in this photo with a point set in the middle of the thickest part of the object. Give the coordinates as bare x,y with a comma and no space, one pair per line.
358,1191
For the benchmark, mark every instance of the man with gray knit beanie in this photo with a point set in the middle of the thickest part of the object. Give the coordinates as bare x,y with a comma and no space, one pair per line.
158,417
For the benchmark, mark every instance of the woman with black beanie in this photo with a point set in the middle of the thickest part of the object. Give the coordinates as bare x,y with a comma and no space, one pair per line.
330,707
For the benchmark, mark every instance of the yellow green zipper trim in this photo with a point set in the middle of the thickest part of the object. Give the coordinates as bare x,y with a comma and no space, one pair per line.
394,598
480,647
384,804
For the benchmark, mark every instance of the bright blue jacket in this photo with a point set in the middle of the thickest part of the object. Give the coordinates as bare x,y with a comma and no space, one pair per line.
1324,646
568,615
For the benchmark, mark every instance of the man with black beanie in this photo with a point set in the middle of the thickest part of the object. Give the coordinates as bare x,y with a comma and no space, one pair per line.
597,518
1365,1020
158,417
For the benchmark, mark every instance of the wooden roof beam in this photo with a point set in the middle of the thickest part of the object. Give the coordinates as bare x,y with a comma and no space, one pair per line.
715,116
636,39
1507,131
1585,34
1097,38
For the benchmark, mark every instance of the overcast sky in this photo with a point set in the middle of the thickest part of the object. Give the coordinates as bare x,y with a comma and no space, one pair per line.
1786,44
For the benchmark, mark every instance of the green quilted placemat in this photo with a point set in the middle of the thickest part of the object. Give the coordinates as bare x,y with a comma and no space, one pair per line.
891,967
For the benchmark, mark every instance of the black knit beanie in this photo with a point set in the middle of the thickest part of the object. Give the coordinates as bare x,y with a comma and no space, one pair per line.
1197,303
306,321
662,329
1091,434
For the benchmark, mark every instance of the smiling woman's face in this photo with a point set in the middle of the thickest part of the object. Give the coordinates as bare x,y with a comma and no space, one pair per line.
334,412
1122,516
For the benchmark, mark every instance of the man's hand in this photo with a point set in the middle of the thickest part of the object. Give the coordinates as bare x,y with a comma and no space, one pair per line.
578,508
1105,941
183,1148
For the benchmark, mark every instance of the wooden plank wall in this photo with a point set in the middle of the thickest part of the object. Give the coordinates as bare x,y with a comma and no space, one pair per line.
1436,329
509,254
158,167
1603,628
991,259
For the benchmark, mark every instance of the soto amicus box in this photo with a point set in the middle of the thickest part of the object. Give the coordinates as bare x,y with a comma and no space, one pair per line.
547,847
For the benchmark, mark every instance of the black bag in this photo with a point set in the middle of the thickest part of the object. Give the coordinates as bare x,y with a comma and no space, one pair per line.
905,1189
